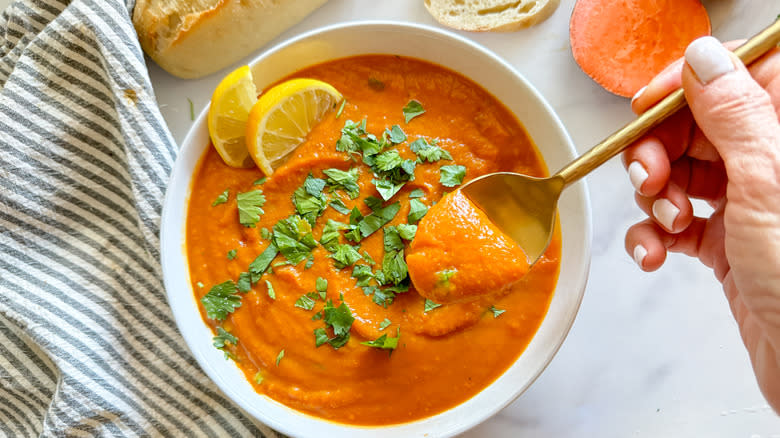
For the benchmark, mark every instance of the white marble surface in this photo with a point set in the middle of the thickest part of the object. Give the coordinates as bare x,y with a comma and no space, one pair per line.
649,354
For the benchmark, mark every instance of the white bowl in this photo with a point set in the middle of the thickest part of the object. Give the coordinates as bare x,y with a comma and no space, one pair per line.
492,73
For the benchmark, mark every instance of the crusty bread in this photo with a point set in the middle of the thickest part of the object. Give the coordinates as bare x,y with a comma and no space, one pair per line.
490,15
192,38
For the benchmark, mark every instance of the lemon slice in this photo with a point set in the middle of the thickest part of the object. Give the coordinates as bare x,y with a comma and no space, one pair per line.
230,105
283,117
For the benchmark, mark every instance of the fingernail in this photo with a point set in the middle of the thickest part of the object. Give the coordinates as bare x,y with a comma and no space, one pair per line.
637,174
665,212
640,252
638,93
708,59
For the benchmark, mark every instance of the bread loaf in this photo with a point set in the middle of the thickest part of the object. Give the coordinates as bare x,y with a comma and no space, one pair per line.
490,15
192,38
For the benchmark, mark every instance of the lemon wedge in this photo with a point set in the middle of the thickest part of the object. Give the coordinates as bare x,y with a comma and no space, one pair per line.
283,117
230,105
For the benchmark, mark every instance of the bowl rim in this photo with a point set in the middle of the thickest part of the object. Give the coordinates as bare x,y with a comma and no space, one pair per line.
198,125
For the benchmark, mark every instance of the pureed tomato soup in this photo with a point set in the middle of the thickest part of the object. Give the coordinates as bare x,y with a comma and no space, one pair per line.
340,333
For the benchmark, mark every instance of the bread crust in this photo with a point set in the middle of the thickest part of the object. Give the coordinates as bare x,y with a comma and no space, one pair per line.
490,15
193,38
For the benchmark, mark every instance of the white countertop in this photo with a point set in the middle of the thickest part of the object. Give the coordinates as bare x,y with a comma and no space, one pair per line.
649,354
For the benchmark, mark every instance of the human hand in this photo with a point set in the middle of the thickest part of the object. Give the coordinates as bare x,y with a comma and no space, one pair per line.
724,149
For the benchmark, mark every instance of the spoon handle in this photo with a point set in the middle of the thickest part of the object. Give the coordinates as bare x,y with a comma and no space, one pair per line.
615,143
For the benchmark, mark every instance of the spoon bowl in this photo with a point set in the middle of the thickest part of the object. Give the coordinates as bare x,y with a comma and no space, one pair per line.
525,207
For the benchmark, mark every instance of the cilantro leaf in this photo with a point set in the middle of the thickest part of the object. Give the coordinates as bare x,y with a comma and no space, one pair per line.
223,340
244,283
264,233
388,160
339,206
452,175
376,84
309,200
321,285
249,207
443,277
339,318
378,218
347,180
394,266
416,193
221,300
407,231
412,110
496,312
383,296
271,292
231,254
392,239
383,342
306,302
261,181
416,211
314,186
367,258
262,262
259,378
345,255
320,336
430,305
363,274
330,234
221,199
395,134
341,108
386,188
279,357
384,324
428,152
294,239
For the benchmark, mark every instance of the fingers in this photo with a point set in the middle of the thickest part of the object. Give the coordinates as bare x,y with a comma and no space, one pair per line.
648,243
733,111
671,208
648,165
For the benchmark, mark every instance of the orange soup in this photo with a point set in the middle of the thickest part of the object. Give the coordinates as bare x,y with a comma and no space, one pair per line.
303,276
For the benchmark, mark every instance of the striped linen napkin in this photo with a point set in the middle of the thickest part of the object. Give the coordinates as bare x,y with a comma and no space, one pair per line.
88,345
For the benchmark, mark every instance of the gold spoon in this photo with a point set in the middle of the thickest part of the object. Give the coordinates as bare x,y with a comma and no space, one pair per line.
524,207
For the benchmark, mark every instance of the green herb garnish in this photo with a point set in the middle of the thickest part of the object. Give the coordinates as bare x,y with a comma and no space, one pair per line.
279,357
412,110
416,211
416,193
261,181
345,255
249,207
244,283
395,134
271,292
378,218
346,180
341,108
375,84
221,199
339,206
384,343
223,340
306,302
293,238
496,312
261,263
428,152
231,254
192,109
221,300
452,175
340,320
384,324
430,305
309,200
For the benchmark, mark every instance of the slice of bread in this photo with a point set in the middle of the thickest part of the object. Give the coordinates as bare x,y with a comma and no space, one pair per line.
193,38
490,15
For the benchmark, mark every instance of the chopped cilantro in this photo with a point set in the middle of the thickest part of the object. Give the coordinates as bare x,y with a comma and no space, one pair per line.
347,180
394,266
339,206
392,239
271,292
223,340
383,342
264,233
395,134
388,160
386,188
375,84
412,110
244,283
231,254
416,193
341,108
363,274
321,285
221,300
262,262
428,152
192,109
293,238
430,305
339,319
249,207
261,181
496,312
378,218
320,336
416,211
384,324
367,257
383,296
452,175
331,233
306,302
407,231
279,357
345,255
199,284
258,378
222,198
309,200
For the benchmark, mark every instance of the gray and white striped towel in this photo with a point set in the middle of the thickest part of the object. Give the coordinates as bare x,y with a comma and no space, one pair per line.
88,346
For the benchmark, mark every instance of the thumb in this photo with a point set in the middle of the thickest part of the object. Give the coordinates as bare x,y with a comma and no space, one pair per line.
732,110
